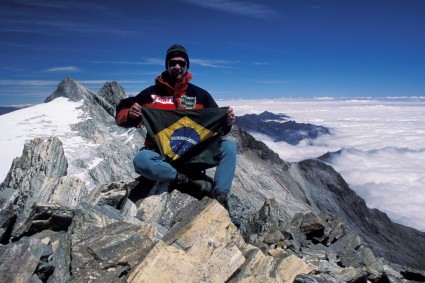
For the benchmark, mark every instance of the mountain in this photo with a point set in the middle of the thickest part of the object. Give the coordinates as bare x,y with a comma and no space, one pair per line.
280,128
8,109
73,210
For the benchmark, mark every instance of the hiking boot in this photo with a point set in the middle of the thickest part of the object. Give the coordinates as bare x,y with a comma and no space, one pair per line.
222,199
204,186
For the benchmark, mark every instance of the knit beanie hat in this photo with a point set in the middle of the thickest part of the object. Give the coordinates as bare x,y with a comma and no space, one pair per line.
176,51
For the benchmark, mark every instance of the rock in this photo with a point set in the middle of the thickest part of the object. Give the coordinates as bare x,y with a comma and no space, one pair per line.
39,161
160,209
274,237
44,217
8,197
261,268
266,221
70,89
322,278
106,254
328,192
198,247
309,224
112,92
38,178
57,257
26,253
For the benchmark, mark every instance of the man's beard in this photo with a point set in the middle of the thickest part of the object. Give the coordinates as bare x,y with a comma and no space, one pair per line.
177,74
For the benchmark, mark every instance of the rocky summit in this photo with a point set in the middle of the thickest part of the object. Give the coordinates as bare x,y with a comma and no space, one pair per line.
65,218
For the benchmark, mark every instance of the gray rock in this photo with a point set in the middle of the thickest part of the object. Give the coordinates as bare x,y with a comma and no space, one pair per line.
20,260
57,254
106,254
309,224
8,214
112,92
327,192
68,88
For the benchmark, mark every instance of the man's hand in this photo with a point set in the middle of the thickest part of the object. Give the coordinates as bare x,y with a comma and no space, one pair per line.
230,116
135,111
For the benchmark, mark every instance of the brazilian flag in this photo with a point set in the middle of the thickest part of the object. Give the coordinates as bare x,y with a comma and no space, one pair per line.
188,138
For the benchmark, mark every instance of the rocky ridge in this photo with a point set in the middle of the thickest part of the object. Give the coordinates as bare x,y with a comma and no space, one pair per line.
287,222
280,128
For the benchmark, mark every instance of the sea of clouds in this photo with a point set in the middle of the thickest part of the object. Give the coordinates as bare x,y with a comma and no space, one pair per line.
382,143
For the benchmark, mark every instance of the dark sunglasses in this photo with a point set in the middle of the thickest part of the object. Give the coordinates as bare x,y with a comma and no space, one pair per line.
181,63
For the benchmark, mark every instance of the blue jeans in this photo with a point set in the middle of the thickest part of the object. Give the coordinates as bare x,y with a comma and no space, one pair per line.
150,165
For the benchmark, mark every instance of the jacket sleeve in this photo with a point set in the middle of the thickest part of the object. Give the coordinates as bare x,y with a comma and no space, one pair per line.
122,110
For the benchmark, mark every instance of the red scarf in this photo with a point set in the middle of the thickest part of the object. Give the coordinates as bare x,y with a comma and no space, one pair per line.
179,89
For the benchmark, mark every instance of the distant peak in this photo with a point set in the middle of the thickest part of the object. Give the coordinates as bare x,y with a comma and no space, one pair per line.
69,88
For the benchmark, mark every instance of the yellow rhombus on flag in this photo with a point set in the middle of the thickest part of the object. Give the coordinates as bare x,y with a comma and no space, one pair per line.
181,136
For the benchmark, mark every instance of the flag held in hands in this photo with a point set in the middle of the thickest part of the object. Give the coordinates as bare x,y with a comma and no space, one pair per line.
190,138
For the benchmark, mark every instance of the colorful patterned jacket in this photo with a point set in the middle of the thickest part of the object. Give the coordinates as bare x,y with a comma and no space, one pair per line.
162,95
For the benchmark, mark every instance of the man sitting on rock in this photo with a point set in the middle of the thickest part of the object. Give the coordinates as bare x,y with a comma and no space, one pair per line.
172,91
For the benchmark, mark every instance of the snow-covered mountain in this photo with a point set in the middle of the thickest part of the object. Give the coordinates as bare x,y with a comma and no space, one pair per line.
84,122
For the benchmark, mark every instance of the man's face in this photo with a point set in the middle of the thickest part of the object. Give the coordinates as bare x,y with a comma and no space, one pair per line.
177,67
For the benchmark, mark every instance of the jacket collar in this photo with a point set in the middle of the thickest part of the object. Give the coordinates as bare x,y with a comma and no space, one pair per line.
179,89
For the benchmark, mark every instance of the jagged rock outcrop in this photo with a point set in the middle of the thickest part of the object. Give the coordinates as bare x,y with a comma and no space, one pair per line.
112,92
287,222
325,184
38,177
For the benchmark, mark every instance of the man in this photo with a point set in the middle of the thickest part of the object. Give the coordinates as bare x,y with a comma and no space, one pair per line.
173,91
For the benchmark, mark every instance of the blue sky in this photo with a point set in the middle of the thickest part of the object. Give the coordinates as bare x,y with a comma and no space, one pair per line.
238,48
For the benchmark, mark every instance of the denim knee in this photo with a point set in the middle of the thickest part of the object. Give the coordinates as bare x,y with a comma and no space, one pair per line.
149,164
228,148
142,161
225,170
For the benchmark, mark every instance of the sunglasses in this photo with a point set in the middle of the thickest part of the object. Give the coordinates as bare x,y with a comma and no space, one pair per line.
181,63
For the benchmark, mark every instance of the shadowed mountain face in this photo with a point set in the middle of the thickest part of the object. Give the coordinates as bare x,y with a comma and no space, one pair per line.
287,222
280,128
8,109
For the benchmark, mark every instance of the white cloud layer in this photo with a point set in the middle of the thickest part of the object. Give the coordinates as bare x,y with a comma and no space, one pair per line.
381,141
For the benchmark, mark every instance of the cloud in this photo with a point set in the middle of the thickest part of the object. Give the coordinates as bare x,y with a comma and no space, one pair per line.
382,153
62,69
58,19
145,61
28,82
243,8
274,82
61,27
213,63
